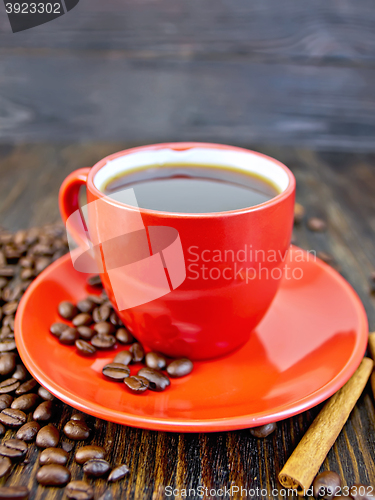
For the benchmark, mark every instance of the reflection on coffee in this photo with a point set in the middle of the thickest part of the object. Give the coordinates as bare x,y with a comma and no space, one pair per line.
193,188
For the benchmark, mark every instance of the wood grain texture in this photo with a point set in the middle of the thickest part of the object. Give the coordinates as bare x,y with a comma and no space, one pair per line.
336,186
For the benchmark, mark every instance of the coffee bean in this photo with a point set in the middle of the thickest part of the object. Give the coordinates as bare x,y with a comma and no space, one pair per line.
104,328
7,345
299,213
114,319
116,371
53,456
155,360
12,418
9,385
316,224
44,411
67,446
124,336
26,402
86,305
118,473
6,333
85,332
48,437
137,351
26,387
44,394
326,485
14,493
53,475
85,348
82,319
361,492
7,271
26,262
103,341
67,310
20,373
94,281
78,415
9,321
3,282
5,401
76,430
57,328
180,368
15,449
96,467
5,466
123,357
263,430
101,313
10,307
7,363
90,452
79,490
97,299
42,263
136,384
28,431
69,336
157,381
2,430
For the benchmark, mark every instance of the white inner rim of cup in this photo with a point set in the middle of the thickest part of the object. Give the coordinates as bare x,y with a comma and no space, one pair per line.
247,162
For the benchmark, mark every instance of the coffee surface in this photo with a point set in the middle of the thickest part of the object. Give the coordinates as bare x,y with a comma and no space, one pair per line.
193,189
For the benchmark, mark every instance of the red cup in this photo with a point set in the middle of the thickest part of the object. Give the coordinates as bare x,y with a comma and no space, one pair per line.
233,261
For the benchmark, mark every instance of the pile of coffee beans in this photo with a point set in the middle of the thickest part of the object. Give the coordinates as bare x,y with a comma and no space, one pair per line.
92,324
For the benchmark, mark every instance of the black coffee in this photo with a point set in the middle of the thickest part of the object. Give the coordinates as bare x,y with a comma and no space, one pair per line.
193,188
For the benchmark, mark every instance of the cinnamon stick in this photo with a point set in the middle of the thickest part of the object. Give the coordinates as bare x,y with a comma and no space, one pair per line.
300,470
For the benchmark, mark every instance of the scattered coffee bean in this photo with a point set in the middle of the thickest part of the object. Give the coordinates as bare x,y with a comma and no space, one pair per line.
5,466
28,431
96,467
85,332
44,394
103,341
57,328
7,345
116,371
12,418
26,387
157,381
26,402
69,336
316,224
86,305
7,363
85,348
53,456
263,430
48,437
326,485
44,411
14,449
20,373
155,360
136,384
82,319
90,452
5,401
67,446
123,357
78,415
14,493
361,492
180,367
76,430
53,475
79,490
118,473
124,336
67,310
104,328
101,313
137,351
299,213
94,281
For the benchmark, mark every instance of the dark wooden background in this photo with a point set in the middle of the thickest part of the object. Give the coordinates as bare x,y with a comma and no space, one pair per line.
291,79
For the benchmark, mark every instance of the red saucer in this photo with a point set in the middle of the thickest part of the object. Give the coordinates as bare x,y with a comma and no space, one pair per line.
308,345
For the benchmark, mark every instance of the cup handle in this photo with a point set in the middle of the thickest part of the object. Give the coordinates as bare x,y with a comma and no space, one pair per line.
69,200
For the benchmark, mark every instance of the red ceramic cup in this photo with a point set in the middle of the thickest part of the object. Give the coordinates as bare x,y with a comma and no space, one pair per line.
233,261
